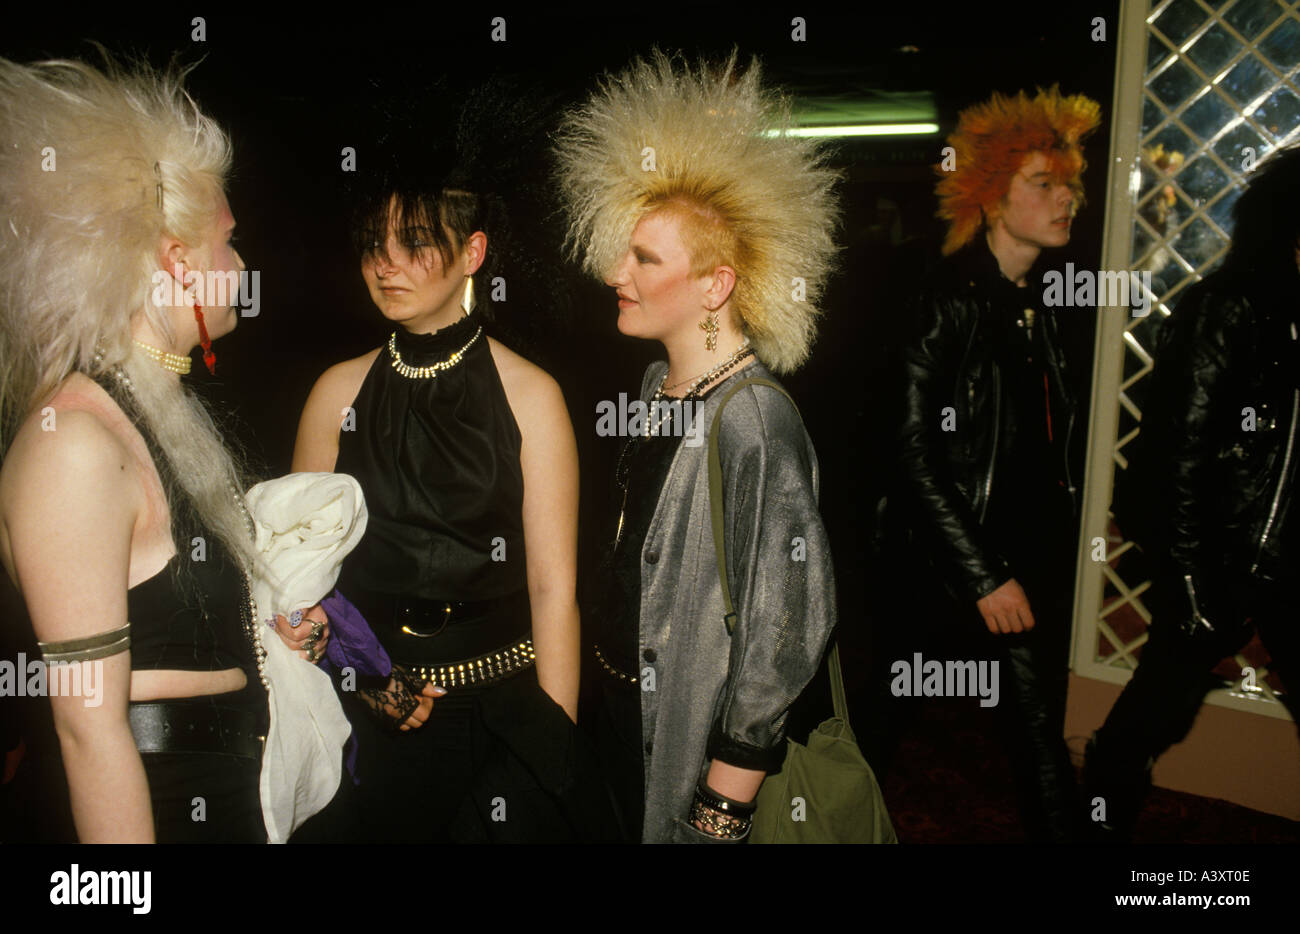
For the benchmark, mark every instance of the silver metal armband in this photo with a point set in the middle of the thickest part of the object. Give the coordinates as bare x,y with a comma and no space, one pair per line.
100,645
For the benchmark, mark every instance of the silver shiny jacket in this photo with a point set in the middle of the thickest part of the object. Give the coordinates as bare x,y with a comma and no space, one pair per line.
782,584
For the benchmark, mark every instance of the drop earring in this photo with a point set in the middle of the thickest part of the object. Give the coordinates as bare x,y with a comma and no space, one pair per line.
710,327
467,300
209,358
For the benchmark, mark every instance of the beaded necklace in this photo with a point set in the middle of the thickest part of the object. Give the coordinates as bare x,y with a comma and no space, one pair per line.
623,470
425,372
251,629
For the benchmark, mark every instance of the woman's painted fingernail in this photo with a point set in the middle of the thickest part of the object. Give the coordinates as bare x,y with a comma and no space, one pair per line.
295,619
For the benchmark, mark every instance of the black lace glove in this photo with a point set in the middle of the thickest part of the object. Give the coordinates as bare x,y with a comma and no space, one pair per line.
394,704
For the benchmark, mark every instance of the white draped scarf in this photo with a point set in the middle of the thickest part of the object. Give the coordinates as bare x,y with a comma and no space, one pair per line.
306,524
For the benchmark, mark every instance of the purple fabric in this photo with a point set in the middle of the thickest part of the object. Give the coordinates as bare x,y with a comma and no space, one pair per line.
352,645
352,642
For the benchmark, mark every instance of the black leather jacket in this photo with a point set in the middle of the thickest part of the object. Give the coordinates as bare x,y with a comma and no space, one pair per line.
1219,438
947,478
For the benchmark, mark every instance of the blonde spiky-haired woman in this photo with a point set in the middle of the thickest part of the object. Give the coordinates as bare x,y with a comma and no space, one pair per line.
111,185
715,232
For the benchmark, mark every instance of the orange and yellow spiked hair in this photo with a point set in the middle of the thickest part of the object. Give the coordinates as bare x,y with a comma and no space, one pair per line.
991,143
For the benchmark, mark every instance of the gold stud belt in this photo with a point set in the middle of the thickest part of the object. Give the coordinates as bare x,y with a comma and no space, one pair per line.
494,666
611,670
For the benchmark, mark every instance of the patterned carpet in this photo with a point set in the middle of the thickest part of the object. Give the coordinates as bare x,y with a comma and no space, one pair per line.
951,783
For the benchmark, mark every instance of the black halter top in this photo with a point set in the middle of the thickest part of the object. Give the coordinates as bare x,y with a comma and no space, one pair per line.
438,460
191,615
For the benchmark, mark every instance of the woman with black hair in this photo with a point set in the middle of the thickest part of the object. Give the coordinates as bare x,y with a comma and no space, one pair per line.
466,455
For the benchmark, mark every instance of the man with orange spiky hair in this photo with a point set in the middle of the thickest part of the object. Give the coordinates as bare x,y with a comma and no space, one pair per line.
988,487
991,147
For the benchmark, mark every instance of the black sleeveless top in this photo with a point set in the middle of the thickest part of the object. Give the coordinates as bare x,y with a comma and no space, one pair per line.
438,461
193,623
190,615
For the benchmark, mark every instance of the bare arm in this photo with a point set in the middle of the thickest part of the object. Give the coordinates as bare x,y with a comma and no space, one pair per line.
70,501
733,781
317,445
317,450
549,458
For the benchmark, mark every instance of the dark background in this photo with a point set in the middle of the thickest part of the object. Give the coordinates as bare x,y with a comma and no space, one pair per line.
279,83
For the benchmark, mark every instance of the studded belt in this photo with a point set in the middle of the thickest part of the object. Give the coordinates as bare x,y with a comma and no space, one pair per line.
485,669
610,669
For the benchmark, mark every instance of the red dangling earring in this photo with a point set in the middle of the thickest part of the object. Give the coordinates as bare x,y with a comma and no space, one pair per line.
209,358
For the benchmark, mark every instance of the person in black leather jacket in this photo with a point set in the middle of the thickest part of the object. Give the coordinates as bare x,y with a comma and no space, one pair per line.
1210,493
987,488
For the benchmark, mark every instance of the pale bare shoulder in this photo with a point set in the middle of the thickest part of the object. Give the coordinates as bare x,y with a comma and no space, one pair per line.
78,426
317,445
532,392
341,382
67,461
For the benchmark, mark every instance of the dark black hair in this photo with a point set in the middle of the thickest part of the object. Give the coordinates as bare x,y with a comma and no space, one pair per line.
1266,220
449,161
424,220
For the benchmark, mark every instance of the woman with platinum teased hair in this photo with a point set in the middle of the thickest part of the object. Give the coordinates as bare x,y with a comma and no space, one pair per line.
716,236
122,521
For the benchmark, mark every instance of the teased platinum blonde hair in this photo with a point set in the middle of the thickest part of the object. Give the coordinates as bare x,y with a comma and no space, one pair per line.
662,134
96,167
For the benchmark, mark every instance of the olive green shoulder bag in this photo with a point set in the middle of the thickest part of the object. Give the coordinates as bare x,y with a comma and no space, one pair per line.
825,791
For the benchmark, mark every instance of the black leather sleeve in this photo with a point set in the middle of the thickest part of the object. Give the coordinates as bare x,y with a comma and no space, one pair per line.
1193,402
942,517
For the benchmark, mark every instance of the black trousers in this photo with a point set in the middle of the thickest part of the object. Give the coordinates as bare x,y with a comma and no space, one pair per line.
1159,704
1037,537
204,798
496,764
1033,710
613,719
209,797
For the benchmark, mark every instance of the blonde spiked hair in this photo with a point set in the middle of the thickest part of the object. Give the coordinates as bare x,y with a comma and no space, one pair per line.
95,167
751,196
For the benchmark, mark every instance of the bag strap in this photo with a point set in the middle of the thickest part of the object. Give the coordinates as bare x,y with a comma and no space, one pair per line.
838,697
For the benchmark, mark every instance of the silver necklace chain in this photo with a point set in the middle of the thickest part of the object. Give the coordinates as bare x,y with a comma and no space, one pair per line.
736,356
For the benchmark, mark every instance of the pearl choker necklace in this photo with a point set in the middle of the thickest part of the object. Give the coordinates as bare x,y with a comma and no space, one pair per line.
175,362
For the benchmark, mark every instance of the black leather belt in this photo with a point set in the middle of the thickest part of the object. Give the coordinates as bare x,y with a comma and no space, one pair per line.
426,619
170,726
440,632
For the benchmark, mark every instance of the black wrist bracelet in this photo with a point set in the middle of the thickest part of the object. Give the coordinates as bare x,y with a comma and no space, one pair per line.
722,803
